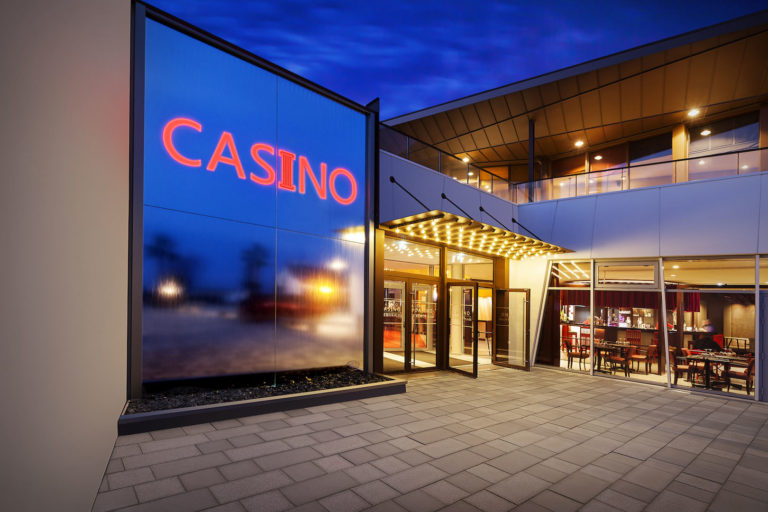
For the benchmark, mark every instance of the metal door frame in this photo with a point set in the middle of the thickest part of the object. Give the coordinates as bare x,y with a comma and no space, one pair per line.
526,330
475,286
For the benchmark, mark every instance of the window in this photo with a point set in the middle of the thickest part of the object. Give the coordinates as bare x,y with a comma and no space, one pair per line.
461,265
652,150
627,274
411,257
734,134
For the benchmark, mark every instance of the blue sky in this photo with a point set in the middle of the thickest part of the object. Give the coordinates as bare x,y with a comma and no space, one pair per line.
419,53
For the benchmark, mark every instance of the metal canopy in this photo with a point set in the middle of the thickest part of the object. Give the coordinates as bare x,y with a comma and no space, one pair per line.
466,234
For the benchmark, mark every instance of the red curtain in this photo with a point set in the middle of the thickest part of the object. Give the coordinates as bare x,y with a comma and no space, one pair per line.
574,297
626,299
691,301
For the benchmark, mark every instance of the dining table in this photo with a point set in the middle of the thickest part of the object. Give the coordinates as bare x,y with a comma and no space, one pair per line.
617,347
713,358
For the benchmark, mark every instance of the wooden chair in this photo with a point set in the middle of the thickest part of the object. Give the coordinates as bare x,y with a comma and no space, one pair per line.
638,354
696,369
678,368
740,373
575,350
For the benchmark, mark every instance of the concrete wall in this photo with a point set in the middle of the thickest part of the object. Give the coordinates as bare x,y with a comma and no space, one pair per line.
63,256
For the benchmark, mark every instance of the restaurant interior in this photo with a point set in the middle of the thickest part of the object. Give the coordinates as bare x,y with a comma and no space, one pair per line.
699,333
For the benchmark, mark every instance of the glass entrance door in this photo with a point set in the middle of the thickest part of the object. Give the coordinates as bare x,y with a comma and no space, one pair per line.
512,344
410,325
423,346
462,328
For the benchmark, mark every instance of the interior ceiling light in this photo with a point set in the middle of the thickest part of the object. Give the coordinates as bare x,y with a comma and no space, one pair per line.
598,157
706,132
465,159
471,173
693,112
578,143
745,166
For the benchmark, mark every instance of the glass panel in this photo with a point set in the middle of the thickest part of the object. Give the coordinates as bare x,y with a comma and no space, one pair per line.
393,141
209,306
628,341
713,167
502,189
411,257
461,327
710,273
568,165
606,181
734,134
484,324
486,181
473,177
511,327
394,326
651,150
460,265
320,299
423,325
454,168
715,349
626,274
652,175
571,274
423,154
564,187
609,158
749,161
763,271
564,340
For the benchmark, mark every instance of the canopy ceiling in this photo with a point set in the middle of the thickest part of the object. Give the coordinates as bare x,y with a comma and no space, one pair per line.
721,70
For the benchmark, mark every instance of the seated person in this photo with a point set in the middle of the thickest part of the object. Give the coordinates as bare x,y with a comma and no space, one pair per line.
706,343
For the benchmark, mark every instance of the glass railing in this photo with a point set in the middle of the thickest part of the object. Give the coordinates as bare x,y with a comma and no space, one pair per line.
645,175
402,145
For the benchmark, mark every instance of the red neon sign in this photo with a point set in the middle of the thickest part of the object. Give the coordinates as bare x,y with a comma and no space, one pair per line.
226,152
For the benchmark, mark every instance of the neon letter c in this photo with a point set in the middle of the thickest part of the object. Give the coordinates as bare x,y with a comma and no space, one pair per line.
168,140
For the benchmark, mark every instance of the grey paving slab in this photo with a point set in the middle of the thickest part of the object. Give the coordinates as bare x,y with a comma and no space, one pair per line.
528,441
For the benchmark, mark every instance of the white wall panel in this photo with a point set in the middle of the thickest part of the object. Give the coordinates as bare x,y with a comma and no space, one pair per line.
423,183
763,215
468,199
538,217
711,217
499,208
626,224
573,226
64,259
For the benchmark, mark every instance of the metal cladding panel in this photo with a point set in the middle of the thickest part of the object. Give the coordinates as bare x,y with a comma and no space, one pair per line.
235,159
208,296
319,301
627,224
394,202
711,217
499,208
538,218
468,198
574,224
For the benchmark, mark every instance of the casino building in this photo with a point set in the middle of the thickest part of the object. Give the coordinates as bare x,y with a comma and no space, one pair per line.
182,208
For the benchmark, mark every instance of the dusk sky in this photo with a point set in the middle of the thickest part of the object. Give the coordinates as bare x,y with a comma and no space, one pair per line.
416,54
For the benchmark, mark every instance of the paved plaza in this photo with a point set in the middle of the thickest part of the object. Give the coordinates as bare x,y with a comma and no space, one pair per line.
510,440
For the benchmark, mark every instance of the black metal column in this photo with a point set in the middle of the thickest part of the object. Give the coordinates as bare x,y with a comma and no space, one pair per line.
531,156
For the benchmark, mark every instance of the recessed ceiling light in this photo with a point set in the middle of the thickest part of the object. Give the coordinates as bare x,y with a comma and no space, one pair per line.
693,112
465,159
598,157
702,162
578,143
675,266
720,284
706,132
471,173
745,166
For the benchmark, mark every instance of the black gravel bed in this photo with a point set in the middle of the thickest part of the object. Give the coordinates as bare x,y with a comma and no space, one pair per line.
173,395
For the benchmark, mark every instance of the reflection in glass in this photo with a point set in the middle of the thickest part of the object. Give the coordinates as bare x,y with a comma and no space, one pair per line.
571,274
710,273
461,326
394,326
423,325
461,265
511,327
208,288
319,301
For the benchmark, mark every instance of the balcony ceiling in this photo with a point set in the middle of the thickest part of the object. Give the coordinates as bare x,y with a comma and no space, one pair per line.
621,97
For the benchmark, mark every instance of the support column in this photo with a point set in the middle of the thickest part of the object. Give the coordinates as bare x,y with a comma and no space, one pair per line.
680,142
531,157
763,141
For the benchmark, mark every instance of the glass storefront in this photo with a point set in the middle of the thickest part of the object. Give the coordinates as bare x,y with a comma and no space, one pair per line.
709,341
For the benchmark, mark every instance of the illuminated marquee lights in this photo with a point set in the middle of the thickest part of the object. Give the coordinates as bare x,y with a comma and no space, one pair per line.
326,183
